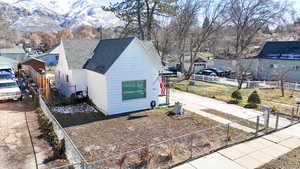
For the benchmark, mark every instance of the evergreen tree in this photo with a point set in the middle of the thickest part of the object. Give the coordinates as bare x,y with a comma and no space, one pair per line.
237,96
139,15
254,98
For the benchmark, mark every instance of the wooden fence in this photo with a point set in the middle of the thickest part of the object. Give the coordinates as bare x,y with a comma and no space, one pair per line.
42,82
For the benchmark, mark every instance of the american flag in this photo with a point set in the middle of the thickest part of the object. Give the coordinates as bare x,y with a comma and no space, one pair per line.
162,86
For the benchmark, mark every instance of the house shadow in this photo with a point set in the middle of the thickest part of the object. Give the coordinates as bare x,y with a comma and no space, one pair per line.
16,106
75,119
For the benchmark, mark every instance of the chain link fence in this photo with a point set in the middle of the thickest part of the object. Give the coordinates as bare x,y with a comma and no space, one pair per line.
176,150
73,154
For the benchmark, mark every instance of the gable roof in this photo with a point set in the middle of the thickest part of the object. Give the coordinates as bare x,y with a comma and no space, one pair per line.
285,50
106,53
15,50
54,50
78,51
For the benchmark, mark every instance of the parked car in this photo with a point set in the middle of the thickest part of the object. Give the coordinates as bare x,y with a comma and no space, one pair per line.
207,73
9,90
174,68
6,72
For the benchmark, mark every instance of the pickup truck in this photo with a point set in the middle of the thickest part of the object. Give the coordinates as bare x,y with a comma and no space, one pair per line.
9,90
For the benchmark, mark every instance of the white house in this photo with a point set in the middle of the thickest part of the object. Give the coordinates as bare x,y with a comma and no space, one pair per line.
69,75
122,75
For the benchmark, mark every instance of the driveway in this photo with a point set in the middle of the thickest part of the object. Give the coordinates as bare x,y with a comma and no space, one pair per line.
15,147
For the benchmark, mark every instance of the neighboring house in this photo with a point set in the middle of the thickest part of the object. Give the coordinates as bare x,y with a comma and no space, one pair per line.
12,56
275,59
33,67
34,63
122,75
50,57
69,75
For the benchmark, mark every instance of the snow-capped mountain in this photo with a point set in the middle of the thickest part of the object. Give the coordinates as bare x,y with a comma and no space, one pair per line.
35,15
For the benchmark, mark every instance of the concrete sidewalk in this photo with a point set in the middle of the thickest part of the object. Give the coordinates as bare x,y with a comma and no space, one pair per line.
252,154
199,103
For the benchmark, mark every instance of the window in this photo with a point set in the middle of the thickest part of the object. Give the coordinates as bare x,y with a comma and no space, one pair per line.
133,89
8,85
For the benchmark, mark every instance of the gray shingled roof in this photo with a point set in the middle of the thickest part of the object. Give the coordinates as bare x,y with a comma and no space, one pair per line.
78,51
106,53
289,50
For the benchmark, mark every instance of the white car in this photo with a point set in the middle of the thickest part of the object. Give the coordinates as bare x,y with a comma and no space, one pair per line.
9,90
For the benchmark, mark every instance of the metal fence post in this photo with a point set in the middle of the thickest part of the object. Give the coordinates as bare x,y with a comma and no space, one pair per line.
257,125
267,121
228,134
292,118
277,120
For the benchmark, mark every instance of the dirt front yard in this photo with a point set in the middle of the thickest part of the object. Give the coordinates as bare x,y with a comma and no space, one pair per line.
98,137
16,150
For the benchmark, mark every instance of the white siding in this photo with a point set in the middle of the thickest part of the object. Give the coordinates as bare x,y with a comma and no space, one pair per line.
271,69
61,71
77,77
78,80
135,63
97,90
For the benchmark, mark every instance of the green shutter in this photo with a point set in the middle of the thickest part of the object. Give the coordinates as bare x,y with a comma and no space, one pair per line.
133,89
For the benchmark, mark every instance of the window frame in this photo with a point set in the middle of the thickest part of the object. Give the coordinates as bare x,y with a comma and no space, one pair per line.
122,88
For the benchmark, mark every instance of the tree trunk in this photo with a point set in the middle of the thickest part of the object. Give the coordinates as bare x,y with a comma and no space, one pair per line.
240,83
282,87
142,35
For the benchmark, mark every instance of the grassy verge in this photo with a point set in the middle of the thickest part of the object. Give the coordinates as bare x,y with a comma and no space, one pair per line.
233,118
290,160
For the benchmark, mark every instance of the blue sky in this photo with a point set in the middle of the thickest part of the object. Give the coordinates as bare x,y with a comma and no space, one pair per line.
106,2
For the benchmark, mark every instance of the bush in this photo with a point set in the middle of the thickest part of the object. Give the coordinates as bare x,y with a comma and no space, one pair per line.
237,96
47,132
253,100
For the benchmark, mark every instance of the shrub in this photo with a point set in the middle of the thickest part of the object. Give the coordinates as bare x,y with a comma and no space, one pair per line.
254,98
237,96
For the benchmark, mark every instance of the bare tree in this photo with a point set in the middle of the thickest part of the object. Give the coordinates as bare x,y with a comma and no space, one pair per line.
183,23
242,70
248,17
281,75
215,18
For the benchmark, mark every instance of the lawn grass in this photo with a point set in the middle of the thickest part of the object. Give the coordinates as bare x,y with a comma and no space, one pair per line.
290,160
269,97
